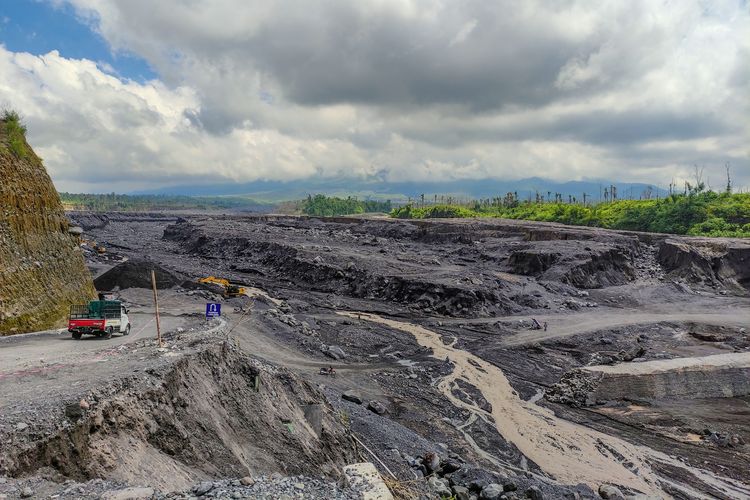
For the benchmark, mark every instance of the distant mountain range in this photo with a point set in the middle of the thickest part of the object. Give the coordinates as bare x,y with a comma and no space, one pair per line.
273,191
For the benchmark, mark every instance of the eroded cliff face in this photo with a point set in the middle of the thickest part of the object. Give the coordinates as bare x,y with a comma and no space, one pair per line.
42,271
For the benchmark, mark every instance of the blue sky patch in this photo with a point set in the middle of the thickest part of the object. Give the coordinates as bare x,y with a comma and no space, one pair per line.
39,27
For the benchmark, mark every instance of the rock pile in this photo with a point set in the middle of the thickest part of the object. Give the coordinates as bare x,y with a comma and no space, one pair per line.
723,439
136,273
576,388
452,478
261,487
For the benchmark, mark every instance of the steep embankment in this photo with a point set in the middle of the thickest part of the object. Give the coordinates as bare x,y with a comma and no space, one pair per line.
713,261
41,268
202,409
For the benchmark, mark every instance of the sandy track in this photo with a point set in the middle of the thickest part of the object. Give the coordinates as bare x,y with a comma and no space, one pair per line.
728,360
569,452
571,326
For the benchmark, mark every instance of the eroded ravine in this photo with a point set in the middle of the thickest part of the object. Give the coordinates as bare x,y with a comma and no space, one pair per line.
569,452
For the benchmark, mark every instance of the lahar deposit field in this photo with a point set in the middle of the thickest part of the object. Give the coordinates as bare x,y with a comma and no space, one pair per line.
473,359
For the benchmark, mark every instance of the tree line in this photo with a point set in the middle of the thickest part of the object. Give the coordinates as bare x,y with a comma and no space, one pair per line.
329,206
696,211
135,203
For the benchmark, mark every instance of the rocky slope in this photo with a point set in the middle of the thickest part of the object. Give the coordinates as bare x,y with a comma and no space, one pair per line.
195,409
42,270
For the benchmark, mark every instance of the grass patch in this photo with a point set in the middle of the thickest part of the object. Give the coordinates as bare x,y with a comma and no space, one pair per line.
16,132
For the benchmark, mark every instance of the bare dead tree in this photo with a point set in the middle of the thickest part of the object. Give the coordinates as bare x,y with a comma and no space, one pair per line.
729,178
698,175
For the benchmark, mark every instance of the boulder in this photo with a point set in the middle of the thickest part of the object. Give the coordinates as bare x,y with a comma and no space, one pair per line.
474,478
492,491
431,461
609,492
439,486
202,488
377,407
449,466
73,411
534,493
461,493
333,351
352,396
128,494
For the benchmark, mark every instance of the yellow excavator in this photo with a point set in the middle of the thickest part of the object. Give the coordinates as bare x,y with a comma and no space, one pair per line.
97,248
230,290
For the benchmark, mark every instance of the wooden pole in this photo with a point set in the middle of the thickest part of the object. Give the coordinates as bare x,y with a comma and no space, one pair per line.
156,307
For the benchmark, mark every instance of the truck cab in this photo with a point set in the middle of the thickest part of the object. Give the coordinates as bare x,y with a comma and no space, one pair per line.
101,318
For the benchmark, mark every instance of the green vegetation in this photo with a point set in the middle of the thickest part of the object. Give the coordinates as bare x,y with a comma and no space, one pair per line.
697,213
329,206
135,203
16,132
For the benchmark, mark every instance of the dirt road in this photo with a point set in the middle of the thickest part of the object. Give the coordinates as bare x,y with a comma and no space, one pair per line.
56,346
561,326
731,313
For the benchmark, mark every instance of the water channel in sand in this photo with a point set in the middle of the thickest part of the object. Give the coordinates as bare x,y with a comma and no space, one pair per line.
569,452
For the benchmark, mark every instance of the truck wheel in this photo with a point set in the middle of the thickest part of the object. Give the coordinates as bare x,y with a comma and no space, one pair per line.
108,333
127,330
77,335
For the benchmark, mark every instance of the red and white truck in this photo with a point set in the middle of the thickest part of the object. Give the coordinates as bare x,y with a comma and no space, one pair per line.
99,317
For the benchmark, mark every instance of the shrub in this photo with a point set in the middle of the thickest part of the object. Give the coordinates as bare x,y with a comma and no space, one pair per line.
16,132
703,213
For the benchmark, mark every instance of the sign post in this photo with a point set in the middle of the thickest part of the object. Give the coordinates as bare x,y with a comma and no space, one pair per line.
213,310
156,308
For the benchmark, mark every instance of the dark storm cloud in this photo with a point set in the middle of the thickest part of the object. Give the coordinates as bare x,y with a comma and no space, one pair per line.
601,127
350,56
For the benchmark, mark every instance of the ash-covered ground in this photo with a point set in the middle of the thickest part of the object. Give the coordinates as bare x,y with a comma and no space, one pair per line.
486,343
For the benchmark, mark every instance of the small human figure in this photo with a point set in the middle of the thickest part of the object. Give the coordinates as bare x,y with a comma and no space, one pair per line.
545,326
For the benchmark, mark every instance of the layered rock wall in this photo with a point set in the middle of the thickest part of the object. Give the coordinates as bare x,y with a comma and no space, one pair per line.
715,260
42,271
715,376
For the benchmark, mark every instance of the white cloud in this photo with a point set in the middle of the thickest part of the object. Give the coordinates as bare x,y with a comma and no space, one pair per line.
96,131
410,90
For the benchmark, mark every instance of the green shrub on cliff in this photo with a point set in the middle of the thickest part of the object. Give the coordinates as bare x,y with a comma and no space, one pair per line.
16,133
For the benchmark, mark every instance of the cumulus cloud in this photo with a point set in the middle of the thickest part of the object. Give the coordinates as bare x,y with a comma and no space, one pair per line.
405,89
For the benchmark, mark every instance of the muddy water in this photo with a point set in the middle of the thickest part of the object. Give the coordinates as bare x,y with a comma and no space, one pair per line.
569,452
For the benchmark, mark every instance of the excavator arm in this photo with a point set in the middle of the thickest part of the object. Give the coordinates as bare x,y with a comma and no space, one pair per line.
229,289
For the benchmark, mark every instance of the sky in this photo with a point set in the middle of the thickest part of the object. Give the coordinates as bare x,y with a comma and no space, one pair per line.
122,96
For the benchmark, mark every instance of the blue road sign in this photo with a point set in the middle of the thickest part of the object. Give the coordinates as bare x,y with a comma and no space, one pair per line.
213,310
